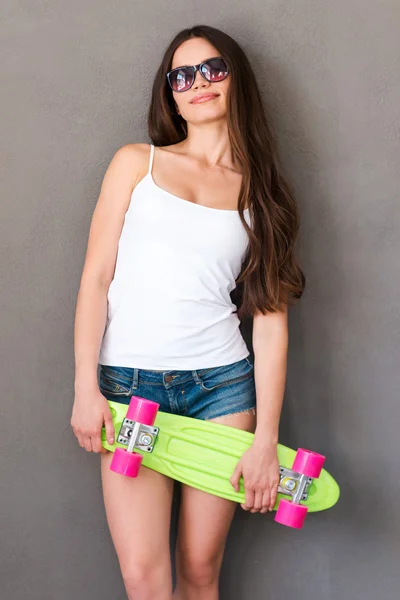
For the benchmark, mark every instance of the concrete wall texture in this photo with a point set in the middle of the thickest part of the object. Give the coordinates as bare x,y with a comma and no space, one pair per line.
75,81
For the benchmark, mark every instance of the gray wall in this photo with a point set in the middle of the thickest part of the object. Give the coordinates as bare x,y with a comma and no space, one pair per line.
76,80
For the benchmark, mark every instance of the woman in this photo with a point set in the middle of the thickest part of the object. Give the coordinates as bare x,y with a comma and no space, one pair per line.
178,224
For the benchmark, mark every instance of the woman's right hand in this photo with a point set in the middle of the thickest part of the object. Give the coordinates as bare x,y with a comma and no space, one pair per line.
90,411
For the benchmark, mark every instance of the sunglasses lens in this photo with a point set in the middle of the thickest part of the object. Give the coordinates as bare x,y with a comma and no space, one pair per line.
215,69
181,79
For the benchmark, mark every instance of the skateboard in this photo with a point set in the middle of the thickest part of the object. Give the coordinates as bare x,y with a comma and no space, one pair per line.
204,454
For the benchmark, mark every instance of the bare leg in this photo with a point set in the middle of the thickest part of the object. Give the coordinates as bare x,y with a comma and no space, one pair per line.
138,513
204,523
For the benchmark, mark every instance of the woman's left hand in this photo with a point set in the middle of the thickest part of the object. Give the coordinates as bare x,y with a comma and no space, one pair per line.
259,467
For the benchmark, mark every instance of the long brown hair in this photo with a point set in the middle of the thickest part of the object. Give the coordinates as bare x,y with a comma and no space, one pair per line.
270,277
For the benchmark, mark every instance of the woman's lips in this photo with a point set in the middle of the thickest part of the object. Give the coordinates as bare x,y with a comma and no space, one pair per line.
204,98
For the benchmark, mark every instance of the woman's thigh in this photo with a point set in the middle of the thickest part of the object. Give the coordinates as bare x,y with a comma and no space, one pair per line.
138,510
138,513
205,520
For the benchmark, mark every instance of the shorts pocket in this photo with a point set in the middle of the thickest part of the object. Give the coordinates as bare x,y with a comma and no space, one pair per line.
217,377
114,381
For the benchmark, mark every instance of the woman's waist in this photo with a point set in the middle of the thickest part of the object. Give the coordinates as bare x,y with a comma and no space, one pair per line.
161,348
171,311
178,327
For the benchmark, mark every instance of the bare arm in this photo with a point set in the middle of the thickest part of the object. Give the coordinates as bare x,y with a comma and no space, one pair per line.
259,464
270,343
120,178
98,270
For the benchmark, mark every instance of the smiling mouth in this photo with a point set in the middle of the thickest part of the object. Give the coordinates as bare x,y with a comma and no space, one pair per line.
205,99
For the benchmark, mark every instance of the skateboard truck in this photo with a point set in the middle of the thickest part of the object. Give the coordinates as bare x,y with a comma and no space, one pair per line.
295,482
136,435
137,432
294,485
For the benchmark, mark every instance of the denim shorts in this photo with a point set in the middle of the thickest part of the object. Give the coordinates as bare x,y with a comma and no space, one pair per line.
202,394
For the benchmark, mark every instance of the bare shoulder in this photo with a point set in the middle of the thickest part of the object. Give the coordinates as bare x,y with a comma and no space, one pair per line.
125,170
131,162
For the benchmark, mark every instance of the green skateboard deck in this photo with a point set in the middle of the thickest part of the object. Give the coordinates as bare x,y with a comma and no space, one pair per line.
203,454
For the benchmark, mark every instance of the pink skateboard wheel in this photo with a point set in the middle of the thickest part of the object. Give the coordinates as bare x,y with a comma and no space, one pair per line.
126,463
308,463
291,515
142,410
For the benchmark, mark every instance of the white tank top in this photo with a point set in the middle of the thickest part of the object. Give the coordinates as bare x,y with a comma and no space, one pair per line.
169,304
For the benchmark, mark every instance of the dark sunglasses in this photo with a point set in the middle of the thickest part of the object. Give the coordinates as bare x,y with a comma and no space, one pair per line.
213,70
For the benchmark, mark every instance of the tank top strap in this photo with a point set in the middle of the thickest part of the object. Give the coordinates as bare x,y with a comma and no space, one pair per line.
151,158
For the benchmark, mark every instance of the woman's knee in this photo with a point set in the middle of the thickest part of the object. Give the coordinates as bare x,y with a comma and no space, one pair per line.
199,570
147,581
